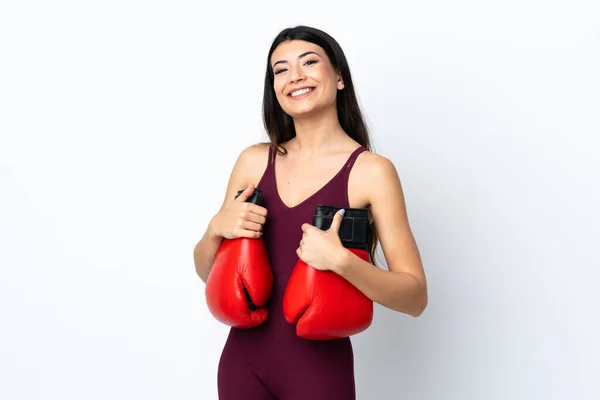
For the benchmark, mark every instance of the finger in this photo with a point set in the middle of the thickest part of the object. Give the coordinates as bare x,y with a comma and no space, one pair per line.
337,221
255,209
241,232
242,197
306,228
250,216
249,225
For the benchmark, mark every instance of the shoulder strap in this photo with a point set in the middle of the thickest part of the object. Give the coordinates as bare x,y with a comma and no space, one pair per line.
345,172
272,155
353,157
268,172
344,175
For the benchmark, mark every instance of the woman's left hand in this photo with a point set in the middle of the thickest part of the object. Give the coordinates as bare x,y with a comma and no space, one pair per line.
320,249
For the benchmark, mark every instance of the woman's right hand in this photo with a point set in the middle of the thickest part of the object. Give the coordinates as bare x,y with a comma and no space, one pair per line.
239,218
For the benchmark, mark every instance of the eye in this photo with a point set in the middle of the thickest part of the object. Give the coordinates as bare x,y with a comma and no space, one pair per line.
279,71
311,62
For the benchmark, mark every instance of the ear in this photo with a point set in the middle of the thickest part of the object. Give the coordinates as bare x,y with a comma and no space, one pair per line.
340,81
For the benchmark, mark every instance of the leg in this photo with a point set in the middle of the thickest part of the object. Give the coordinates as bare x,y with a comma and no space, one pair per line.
238,379
323,385
325,373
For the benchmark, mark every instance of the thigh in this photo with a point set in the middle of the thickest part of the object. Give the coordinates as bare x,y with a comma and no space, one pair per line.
323,375
331,388
238,378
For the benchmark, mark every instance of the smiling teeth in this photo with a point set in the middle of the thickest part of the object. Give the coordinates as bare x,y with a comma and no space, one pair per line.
300,92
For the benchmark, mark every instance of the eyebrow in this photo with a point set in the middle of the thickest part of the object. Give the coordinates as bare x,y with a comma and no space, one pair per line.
300,56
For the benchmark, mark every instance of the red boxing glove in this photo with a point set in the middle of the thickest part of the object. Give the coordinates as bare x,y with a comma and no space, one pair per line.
322,304
241,280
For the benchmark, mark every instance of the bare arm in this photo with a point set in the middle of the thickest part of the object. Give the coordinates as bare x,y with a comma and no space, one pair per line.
205,251
242,176
403,288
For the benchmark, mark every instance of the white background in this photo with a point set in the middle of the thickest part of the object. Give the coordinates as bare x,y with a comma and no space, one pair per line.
120,122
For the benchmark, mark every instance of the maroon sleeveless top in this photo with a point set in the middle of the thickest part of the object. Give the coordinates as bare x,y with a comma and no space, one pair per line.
271,356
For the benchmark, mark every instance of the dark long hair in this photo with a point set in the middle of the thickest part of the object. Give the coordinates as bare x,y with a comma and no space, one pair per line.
280,126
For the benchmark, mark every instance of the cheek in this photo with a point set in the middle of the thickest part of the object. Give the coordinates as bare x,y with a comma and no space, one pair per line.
329,82
278,89
278,85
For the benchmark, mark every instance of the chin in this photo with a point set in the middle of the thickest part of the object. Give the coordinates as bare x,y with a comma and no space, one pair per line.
300,112
305,110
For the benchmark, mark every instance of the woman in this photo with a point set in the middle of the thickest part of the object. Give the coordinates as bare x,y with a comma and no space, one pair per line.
319,154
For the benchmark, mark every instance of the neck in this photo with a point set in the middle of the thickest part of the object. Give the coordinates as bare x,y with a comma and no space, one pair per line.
315,133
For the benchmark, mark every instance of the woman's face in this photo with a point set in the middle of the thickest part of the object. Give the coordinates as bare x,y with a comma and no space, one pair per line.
304,79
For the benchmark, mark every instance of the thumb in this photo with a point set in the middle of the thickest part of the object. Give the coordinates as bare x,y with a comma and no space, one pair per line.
337,221
245,194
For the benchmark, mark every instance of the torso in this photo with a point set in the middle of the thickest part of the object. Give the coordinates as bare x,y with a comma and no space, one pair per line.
291,192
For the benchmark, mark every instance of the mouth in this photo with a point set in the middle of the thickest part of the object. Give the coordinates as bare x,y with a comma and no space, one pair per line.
302,92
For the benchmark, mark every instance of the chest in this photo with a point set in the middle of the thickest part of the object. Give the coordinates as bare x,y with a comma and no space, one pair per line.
299,180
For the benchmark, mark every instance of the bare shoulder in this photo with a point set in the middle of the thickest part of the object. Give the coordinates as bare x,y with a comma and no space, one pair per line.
252,162
370,173
248,169
254,153
373,165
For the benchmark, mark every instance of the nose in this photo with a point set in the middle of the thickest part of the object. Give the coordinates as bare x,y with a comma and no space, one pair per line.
296,74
